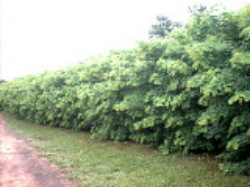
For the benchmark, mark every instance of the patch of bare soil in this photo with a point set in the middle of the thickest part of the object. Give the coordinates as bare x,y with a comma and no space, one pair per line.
20,165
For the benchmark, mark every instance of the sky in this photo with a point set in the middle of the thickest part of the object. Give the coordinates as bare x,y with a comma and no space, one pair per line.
39,35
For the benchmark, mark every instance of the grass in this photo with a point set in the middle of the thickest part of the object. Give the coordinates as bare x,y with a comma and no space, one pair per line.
99,163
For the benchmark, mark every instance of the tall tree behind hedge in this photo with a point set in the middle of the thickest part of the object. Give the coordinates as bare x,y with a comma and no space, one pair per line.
163,27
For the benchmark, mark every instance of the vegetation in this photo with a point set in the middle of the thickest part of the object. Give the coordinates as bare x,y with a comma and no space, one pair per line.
2,81
197,9
164,27
98,163
188,92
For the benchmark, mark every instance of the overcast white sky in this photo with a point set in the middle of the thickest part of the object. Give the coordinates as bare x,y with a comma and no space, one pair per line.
38,35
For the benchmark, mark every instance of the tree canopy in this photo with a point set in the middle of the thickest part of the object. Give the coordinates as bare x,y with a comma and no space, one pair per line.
163,27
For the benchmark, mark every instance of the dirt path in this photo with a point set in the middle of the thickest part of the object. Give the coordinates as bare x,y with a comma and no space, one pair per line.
21,167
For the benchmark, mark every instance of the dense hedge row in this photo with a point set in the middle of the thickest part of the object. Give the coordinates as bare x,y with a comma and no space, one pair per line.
189,92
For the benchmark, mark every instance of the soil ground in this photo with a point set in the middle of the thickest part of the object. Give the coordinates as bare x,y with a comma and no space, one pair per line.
20,165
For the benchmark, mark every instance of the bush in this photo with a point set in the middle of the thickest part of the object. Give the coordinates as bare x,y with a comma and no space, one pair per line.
188,92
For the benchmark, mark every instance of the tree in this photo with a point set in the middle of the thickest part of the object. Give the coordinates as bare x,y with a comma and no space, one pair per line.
2,81
163,28
197,9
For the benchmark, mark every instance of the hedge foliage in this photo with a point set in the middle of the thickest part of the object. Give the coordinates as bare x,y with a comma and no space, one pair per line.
188,92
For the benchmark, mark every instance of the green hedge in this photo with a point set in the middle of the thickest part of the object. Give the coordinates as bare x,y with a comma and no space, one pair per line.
188,92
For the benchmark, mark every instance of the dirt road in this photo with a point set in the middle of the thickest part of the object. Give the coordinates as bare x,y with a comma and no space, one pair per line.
21,167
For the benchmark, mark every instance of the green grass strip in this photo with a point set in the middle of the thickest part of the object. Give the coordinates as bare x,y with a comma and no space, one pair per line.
104,163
